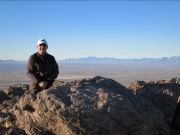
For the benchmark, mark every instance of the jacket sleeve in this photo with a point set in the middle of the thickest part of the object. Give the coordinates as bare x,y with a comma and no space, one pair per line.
30,70
55,73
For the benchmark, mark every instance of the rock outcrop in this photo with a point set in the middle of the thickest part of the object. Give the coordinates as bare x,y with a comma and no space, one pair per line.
97,106
164,95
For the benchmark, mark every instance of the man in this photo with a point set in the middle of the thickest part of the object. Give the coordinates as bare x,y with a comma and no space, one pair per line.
42,68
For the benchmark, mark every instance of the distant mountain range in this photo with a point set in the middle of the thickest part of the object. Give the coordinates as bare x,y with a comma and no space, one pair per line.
12,62
96,60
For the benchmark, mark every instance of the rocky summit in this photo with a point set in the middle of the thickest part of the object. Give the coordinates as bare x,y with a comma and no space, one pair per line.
96,106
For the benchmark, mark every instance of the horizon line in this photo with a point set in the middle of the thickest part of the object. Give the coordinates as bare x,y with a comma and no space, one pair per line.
74,58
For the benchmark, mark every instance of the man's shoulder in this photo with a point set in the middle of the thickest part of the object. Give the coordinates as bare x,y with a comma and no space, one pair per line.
33,55
50,56
32,58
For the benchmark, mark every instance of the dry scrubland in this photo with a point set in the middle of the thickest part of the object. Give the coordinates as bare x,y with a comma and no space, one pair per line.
122,73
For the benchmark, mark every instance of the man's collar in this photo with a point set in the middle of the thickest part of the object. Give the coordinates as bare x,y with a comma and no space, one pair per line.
39,55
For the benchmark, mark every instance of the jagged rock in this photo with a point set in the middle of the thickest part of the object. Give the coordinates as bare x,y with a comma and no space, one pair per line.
6,119
3,96
3,130
97,106
175,80
16,91
163,94
136,85
15,131
10,95
175,126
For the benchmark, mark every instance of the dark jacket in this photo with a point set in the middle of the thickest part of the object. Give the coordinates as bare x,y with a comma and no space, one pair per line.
42,68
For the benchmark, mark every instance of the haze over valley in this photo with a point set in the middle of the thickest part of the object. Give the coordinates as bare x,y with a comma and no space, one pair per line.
121,70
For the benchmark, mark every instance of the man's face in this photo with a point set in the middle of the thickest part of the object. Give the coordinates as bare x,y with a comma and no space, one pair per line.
42,48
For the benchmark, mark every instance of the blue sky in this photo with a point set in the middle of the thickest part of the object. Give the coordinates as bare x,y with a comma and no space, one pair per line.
77,29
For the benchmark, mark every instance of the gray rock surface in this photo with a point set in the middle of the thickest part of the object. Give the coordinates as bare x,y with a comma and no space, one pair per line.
162,94
97,106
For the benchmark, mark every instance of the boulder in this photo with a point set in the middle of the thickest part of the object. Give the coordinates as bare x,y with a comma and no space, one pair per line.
162,94
97,106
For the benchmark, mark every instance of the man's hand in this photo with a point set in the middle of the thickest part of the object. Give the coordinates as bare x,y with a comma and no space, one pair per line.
43,85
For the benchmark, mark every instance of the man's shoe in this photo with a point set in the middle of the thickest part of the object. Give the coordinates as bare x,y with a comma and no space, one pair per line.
33,94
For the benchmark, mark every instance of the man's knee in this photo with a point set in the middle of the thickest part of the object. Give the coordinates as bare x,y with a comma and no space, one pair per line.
34,86
50,84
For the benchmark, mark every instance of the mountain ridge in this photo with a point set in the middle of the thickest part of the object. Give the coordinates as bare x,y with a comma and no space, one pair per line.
93,59
97,60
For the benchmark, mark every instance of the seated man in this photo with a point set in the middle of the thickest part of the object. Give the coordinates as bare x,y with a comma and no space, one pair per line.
42,68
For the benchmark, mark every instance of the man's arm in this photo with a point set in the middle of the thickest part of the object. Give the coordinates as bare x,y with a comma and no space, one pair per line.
30,73
55,73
